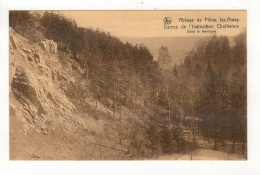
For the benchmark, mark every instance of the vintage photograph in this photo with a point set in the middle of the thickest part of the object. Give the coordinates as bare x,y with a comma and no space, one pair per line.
128,85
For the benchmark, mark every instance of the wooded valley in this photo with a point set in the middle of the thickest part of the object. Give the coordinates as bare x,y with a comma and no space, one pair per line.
157,107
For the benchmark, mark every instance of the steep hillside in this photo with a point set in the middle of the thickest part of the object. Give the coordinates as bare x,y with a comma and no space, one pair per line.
52,112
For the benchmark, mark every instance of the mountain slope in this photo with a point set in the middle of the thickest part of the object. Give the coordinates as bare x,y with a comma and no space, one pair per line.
53,114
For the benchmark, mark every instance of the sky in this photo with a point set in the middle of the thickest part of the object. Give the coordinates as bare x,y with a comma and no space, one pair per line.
150,23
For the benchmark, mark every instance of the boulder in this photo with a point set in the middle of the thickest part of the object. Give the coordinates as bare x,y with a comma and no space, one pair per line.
43,45
49,46
54,75
29,57
59,76
36,57
54,47
42,117
26,50
78,68
44,69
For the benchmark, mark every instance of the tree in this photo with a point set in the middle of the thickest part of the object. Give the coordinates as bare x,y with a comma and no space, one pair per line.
225,59
26,24
164,59
165,139
238,103
239,50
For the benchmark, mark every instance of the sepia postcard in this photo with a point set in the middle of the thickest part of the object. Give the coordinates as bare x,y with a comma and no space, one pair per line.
128,85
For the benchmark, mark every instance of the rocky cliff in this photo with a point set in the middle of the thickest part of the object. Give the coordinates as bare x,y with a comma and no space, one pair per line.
52,113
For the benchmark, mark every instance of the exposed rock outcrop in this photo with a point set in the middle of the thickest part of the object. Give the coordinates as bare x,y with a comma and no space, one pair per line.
13,41
27,90
49,46
37,58
26,50
39,99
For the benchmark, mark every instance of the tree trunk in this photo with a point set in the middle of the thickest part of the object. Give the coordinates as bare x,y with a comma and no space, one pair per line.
233,147
169,112
135,98
114,106
215,142
120,113
100,147
96,90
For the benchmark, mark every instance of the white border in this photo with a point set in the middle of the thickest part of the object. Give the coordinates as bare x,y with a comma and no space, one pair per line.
250,167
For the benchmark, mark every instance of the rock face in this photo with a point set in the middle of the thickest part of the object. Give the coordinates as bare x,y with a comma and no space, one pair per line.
52,110
26,90
37,58
26,50
38,97
45,101
49,46
13,42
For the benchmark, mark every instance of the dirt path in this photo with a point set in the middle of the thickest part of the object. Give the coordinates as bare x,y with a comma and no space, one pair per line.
204,154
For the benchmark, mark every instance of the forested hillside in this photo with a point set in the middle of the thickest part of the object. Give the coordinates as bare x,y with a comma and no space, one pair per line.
209,90
153,111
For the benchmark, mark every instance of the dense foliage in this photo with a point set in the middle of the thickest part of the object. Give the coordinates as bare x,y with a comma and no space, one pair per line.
209,89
